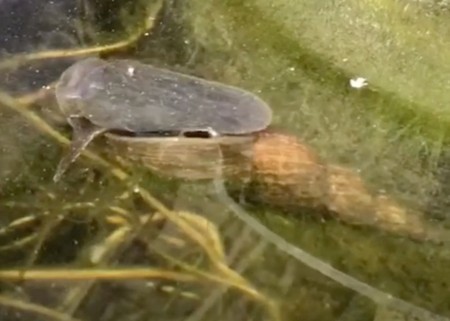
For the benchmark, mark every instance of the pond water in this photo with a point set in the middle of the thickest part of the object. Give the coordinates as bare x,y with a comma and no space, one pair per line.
338,210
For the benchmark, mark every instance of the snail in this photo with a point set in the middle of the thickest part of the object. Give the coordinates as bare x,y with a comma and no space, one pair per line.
175,124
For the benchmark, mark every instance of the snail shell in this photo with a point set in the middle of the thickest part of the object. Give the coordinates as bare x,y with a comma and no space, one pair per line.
189,158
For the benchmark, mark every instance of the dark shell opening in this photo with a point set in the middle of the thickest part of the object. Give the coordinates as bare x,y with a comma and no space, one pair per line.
188,134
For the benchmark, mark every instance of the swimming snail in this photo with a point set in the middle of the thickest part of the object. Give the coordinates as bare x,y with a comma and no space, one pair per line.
186,127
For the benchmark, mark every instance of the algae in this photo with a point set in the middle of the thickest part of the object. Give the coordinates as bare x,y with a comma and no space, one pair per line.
87,242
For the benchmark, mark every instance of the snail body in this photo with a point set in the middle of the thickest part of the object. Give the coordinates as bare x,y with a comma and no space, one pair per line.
140,104
131,96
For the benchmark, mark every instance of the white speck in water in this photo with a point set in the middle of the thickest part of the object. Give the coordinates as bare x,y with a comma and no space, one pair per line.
358,82
292,69
136,189
146,34
130,71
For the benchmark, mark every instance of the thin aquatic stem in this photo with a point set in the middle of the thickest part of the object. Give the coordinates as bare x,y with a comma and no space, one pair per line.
21,243
209,229
36,309
226,278
41,125
148,24
108,274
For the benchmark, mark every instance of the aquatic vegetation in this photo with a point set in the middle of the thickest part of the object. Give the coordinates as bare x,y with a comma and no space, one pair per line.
320,222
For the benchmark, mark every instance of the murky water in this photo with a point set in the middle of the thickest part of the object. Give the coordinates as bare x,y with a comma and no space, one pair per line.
343,215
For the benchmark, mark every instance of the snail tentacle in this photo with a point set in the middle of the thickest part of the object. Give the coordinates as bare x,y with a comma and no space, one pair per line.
83,133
